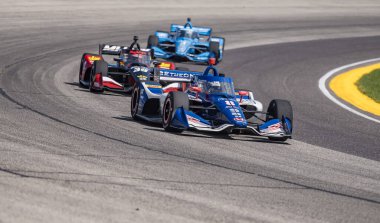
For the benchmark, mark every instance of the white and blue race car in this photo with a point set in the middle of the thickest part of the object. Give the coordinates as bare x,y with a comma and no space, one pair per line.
187,43
207,101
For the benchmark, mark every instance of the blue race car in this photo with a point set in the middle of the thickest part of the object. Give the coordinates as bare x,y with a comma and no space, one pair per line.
187,43
207,101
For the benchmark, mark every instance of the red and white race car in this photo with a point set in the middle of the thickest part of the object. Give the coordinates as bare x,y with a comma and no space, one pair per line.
96,74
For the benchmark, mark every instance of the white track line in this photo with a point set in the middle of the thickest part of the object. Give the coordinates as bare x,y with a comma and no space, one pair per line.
325,91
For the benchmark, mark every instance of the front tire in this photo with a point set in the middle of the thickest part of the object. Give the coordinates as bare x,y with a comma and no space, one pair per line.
279,109
173,101
99,67
80,72
135,102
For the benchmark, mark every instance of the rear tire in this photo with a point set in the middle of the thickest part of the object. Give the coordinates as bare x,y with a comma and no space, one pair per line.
214,48
152,41
276,110
173,101
99,67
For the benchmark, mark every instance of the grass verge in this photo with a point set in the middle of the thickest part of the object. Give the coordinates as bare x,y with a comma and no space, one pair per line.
369,84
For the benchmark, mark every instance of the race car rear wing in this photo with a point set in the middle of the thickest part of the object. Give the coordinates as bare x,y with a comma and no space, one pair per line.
178,75
116,50
107,49
110,49
204,31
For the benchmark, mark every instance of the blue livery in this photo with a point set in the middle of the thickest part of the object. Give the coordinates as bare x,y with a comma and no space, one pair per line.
208,101
187,43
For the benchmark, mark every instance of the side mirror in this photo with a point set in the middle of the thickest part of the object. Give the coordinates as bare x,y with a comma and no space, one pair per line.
156,63
196,89
242,94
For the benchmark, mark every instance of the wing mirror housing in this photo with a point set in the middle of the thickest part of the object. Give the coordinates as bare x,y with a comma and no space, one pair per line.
197,90
242,94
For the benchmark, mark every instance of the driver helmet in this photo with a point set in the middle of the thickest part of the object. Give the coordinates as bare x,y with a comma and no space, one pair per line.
214,86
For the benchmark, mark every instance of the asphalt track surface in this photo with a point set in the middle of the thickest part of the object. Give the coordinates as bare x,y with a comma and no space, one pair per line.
68,155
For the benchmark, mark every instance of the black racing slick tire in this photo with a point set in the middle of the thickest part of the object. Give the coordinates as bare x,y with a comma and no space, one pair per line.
214,48
135,99
173,101
152,41
80,72
278,109
99,67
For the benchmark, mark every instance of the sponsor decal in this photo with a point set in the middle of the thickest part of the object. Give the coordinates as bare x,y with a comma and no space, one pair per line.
236,113
274,128
176,74
153,86
111,48
165,65
142,77
94,58
192,119
234,110
239,119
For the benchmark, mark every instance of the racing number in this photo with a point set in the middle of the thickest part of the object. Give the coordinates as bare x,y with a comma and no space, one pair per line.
230,103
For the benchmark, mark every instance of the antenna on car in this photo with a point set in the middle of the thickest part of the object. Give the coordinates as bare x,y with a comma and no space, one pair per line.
135,38
188,23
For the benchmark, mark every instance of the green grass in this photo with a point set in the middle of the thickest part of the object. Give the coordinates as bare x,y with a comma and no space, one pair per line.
369,85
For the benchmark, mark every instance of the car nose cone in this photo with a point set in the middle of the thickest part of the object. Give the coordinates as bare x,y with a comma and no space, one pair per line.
182,47
241,123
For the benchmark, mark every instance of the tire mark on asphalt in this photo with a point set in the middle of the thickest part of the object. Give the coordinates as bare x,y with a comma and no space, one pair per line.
41,173
370,200
13,172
